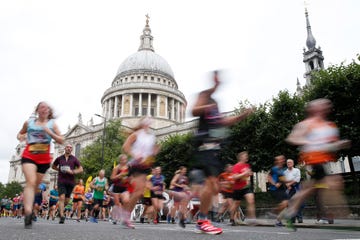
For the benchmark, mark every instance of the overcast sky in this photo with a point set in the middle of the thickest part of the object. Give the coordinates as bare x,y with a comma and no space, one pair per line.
68,52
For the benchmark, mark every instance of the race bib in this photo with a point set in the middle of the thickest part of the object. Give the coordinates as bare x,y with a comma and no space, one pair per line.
38,148
65,169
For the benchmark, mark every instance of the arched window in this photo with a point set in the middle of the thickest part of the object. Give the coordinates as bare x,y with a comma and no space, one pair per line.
311,63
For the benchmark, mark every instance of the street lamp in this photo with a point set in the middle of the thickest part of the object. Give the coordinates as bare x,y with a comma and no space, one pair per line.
103,140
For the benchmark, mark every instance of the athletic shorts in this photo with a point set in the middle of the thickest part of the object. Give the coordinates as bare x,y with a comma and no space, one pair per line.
227,195
38,199
137,170
41,168
64,188
279,195
88,206
146,201
98,202
52,203
158,196
77,200
239,194
119,189
318,172
209,162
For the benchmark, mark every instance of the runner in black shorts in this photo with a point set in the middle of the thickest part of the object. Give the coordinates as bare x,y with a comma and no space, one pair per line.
211,133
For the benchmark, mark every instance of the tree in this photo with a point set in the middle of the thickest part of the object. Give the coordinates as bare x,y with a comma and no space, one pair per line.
91,155
10,189
176,150
263,133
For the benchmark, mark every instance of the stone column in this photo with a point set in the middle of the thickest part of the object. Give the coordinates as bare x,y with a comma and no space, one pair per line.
166,107
157,105
149,105
122,105
107,109
103,109
140,104
110,108
131,104
173,109
116,107
178,119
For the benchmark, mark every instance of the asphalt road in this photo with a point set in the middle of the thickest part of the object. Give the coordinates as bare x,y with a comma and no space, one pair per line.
13,229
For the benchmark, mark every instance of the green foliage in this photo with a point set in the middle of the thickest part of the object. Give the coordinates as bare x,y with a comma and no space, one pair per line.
10,189
176,151
263,133
91,155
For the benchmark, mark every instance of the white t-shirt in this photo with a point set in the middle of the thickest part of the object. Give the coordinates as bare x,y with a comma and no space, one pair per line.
293,175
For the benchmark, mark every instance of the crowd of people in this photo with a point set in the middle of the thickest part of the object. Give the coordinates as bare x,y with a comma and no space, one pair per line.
135,180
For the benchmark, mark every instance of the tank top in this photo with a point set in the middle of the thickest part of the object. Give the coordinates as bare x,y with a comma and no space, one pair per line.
320,134
99,188
123,181
38,142
158,181
79,191
182,179
144,144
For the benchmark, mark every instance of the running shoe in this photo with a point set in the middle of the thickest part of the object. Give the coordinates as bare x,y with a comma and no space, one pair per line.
93,220
28,221
62,220
205,226
279,224
127,224
321,221
290,225
182,223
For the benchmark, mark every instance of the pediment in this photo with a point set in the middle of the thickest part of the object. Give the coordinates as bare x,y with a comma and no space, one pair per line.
77,130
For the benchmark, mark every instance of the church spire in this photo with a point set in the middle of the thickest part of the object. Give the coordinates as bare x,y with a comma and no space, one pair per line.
146,39
313,58
310,41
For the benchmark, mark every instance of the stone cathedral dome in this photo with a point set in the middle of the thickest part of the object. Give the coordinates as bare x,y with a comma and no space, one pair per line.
145,85
145,60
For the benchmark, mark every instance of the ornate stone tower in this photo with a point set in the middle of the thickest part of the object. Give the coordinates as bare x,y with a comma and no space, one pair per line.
144,86
313,57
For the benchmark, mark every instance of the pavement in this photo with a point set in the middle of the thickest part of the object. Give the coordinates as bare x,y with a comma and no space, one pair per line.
345,224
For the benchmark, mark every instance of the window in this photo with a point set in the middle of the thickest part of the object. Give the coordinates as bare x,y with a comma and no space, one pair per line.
77,150
311,63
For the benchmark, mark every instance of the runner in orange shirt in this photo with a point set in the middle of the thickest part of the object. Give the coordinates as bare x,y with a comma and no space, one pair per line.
78,197
319,141
226,183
